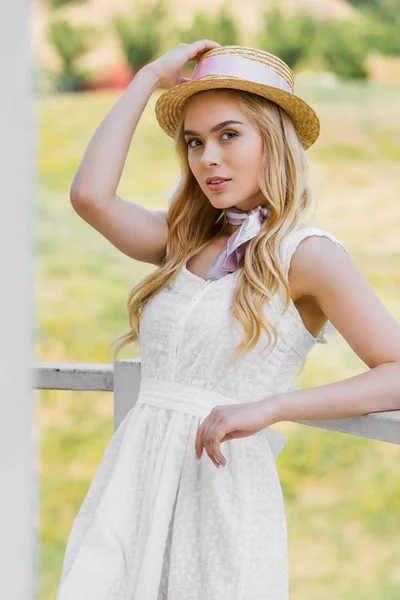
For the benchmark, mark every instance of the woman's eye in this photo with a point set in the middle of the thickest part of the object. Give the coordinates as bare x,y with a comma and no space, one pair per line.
188,144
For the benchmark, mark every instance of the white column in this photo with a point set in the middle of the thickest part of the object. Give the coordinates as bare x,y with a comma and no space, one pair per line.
18,487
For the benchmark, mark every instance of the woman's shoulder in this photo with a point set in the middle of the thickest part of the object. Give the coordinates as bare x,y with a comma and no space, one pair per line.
288,250
304,230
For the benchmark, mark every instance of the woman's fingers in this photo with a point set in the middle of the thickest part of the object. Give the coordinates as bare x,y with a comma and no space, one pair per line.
199,441
209,434
200,47
206,437
212,439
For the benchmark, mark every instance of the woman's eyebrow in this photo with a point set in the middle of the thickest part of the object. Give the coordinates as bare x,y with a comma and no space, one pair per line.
215,128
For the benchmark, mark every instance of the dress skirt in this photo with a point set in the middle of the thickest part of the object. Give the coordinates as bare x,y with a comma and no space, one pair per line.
158,524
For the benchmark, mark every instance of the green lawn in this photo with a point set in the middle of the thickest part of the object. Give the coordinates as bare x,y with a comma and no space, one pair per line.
342,494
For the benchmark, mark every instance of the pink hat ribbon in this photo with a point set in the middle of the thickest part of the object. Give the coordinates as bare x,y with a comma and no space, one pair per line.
231,255
238,66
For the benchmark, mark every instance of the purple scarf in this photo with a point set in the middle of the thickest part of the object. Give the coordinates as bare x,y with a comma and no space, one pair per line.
228,260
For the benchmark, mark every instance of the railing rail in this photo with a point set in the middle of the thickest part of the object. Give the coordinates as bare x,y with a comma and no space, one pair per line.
123,379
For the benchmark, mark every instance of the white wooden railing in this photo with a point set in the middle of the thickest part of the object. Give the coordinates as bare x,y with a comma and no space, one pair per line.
123,379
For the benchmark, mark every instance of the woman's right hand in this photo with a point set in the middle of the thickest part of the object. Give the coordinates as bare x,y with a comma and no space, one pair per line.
167,67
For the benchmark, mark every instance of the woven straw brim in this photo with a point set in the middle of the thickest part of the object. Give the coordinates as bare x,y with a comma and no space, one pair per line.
169,105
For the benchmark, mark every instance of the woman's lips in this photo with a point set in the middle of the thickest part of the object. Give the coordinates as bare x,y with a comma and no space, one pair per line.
214,187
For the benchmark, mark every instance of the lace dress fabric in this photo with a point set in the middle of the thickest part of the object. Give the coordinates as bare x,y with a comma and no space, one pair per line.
156,524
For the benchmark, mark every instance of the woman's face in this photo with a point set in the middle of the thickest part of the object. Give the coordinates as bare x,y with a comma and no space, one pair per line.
233,151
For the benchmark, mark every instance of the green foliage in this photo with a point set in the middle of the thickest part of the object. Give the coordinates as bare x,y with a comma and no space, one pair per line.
71,43
379,512
317,453
343,49
220,27
385,10
382,37
287,36
141,35
60,3
382,23
299,39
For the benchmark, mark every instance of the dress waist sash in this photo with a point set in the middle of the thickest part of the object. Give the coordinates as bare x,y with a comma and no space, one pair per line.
196,401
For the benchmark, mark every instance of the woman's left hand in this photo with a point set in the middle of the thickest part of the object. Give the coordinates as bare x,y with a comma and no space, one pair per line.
226,422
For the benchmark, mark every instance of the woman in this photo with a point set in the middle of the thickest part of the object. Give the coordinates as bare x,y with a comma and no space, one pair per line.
245,287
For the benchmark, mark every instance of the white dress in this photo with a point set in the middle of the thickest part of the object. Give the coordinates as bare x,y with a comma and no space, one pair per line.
157,524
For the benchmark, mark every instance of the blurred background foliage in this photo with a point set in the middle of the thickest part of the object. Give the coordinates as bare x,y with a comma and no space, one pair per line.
71,43
342,494
382,24
222,27
141,34
60,3
301,38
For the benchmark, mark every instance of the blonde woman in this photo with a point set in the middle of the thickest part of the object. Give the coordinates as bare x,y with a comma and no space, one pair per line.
186,503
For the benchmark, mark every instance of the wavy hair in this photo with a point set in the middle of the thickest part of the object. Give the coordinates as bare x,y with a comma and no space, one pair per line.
193,222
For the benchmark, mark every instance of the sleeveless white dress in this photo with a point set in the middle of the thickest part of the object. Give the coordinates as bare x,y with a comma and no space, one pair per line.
157,524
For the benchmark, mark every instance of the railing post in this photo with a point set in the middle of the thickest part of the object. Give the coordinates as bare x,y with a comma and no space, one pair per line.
18,430
127,375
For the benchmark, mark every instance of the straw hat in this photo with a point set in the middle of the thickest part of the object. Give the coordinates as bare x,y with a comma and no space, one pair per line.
241,68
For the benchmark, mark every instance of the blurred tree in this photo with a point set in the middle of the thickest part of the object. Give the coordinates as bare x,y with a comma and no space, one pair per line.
71,43
342,48
59,3
386,10
287,36
220,27
142,35
382,24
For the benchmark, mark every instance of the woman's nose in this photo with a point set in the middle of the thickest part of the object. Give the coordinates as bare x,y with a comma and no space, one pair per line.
210,156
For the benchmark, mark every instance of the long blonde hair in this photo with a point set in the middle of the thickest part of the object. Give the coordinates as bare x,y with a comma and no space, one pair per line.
193,222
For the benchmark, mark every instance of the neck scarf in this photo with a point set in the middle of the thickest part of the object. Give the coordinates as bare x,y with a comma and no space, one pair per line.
231,255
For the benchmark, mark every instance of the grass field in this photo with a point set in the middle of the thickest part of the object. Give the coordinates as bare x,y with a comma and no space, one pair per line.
342,494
